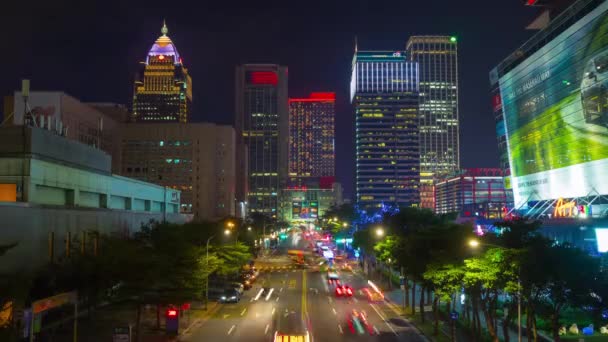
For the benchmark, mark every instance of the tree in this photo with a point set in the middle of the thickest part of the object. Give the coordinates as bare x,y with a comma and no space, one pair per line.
486,276
446,280
13,290
569,278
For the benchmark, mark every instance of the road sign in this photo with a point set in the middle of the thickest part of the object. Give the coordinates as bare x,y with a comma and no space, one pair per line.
121,334
402,280
454,315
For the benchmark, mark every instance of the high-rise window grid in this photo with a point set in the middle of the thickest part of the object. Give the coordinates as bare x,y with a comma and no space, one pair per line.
385,96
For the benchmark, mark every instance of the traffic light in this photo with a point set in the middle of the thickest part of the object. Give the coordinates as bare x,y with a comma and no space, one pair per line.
172,321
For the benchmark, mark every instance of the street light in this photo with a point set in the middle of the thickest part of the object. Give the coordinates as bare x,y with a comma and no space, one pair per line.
344,224
249,228
474,244
227,232
230,224
379,232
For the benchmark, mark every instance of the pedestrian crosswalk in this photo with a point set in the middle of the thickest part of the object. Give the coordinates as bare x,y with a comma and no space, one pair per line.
280,268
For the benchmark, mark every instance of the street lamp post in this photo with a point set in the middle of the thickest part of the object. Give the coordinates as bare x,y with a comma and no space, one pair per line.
474,243
207,278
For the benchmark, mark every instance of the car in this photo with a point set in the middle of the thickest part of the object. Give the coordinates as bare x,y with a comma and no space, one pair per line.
333,278
358,323
230,296
297,337
240,288
373,296
594,89
344,291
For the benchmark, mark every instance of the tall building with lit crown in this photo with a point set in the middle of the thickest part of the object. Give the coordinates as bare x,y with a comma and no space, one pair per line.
437,57
311,137
163,88
384,92
263,129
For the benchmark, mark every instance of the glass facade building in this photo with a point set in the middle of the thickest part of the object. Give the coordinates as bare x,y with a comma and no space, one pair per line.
437,57
262,127
163,88
311,137
384,92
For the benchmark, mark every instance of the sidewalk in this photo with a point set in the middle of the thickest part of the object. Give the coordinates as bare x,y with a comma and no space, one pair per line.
100,325
395,296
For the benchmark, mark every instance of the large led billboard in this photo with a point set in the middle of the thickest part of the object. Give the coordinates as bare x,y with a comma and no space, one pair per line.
555,106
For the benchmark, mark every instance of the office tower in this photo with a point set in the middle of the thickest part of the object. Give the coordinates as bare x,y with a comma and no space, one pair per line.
163,88
384,92
262,124
437,58
311,137
198,159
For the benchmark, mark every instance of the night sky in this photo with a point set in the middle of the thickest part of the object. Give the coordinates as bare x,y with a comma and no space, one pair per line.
91,49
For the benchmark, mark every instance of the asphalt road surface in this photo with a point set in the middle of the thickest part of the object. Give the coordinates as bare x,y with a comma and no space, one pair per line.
301,300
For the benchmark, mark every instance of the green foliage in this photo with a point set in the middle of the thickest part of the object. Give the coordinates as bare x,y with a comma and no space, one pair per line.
446,279
232,257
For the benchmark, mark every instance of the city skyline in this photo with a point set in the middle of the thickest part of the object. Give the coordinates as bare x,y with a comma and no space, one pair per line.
217,33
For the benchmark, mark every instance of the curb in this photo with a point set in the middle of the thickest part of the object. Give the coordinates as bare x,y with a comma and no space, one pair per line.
391,305
199,321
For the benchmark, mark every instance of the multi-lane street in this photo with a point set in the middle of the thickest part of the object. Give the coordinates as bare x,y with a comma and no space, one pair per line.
301,300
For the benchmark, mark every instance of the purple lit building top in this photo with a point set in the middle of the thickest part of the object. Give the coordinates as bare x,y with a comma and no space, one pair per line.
164,46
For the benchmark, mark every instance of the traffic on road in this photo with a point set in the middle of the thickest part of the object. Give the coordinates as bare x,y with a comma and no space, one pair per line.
295,292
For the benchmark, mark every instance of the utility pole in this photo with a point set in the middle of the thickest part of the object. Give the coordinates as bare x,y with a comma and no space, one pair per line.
518,308
402,278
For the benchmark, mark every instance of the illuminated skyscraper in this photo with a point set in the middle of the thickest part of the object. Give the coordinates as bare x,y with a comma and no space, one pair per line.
311,137
263,128
163,88
438,125
384,92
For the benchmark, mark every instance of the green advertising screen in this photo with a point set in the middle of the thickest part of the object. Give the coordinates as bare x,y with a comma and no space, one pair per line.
555,107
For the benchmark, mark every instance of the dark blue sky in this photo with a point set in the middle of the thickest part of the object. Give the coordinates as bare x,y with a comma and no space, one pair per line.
90,49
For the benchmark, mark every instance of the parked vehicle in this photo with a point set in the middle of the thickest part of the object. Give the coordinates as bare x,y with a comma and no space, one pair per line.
230,296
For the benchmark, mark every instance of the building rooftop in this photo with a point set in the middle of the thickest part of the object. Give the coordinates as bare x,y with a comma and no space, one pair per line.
164,46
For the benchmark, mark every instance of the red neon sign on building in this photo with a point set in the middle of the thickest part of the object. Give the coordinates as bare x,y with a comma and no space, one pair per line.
263,77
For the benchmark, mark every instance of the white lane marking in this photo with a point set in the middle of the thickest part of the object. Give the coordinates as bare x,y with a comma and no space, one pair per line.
273,310
231,329
383,319
281,290
269,293
259,294
340,328
329,299
243,312
355,299
376,330
325,285
335,312
266,330
277,299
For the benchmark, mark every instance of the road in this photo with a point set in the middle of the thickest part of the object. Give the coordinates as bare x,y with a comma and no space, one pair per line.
300,300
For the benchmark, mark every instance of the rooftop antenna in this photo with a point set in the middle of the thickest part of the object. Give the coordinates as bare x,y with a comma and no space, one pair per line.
356,43
164,30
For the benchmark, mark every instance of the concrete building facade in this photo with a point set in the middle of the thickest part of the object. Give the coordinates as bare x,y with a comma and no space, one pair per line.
196,158
79,121
53,185
474,193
